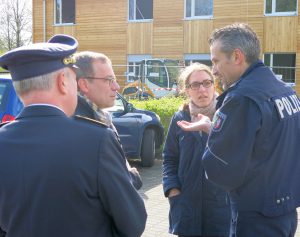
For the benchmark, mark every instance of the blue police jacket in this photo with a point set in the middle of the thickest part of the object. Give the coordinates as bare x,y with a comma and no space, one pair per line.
202,208
253,149
84,109
64,177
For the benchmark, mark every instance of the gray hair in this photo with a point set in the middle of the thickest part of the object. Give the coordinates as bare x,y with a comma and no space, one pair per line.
42,82
84,61
237,36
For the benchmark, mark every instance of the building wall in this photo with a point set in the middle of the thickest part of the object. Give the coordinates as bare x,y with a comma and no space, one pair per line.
103,26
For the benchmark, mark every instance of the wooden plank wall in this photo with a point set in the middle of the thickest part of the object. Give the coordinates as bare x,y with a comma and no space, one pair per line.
139,38
196,34
103,26
297,87
168,29
235,9
280,34
37,22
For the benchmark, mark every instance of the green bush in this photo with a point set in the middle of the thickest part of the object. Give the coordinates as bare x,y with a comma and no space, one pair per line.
164,107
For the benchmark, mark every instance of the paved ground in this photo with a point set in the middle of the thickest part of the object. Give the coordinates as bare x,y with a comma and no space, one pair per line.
157,205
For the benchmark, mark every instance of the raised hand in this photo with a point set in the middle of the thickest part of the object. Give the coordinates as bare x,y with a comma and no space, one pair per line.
203,123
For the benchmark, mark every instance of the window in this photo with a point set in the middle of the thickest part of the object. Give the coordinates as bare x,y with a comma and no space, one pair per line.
3,93
283,65
200,58
157,74
133,66
281,7
173,68
198,8
140,10
64,11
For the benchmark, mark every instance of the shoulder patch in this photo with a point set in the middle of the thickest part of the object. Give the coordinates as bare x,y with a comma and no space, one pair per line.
218,121
287,105
79,117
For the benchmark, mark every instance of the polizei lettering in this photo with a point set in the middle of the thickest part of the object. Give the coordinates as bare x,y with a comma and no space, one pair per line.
287,105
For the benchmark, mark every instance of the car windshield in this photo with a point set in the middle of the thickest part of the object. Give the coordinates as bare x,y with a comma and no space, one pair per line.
3,89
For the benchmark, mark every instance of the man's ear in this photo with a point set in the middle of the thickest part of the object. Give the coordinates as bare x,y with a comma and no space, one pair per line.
61,82
83,85
238,56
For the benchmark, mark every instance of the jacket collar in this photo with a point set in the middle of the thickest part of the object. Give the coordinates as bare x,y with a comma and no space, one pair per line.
40,111
253,66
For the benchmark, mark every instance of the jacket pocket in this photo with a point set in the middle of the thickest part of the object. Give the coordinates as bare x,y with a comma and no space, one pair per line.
182,216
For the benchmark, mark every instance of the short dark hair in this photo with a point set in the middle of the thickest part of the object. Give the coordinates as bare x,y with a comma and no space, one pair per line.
237,36
85,59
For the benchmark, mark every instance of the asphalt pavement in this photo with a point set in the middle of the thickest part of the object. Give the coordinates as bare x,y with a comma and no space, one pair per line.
157,205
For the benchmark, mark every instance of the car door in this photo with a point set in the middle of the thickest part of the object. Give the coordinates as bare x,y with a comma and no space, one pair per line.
10,104
127,125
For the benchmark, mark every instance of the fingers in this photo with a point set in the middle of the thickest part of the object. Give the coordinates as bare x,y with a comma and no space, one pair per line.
184,123
186,126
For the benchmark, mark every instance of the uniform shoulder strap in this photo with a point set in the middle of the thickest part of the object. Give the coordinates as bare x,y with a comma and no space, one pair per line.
82,118
4,123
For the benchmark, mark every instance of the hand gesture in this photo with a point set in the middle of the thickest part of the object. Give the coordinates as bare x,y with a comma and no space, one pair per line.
203,123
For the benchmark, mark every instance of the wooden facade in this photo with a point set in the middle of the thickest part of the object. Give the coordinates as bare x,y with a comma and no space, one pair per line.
103,26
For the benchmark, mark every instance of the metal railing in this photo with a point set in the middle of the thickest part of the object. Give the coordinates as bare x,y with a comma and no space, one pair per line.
286,74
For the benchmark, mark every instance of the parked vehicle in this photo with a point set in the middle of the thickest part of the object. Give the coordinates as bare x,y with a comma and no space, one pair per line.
10,104
153,78
140,131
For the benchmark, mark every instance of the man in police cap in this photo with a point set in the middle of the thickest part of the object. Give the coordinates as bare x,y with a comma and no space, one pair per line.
59,176
253,148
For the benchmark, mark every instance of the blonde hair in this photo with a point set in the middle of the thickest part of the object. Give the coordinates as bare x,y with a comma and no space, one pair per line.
183,79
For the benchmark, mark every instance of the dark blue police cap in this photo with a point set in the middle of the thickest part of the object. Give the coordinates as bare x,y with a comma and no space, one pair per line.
40,58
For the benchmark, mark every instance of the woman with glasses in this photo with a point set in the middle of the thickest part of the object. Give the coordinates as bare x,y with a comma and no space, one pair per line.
197,207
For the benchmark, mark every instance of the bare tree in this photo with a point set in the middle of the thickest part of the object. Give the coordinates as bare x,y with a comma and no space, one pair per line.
15,23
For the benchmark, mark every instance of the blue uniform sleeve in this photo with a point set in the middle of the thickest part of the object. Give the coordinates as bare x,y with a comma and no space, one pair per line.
119,197
231,141
136,180
171,158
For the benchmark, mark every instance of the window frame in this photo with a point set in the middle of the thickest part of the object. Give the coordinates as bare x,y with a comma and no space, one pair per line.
291,83
191,58
132,63
274,13
60,15
134,13
192,17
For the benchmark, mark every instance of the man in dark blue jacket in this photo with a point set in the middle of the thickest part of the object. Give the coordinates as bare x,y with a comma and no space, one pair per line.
98,89
253,148
60,176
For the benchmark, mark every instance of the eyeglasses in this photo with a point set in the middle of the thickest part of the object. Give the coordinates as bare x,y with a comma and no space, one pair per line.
110,79
196,85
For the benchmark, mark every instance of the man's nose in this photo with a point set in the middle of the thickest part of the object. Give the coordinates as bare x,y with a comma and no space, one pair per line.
214,70
201,88
116,85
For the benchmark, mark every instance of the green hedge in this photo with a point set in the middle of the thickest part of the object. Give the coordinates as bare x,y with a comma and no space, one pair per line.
164,107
